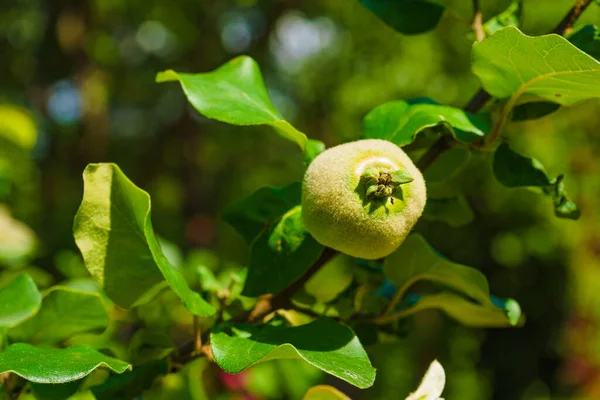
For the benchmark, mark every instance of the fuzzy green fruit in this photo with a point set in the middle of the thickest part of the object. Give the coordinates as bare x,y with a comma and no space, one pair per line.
362,198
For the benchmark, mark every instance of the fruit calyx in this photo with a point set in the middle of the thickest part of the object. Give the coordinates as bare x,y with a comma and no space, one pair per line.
382,184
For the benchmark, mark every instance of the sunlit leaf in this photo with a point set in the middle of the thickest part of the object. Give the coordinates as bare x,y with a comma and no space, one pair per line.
234,93
114,232
18,301
44,365
401,121
406,16
332,279
466,311
64,313
510,64
324,343
415,261
280,255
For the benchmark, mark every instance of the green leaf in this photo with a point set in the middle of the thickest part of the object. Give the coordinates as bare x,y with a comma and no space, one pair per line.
18,301
114,232
533,110
401,121
324,392
323,343
447,165
587,39
508,17
511,64
415,261
280,255
332,279
234,93
64,313
455,211
18,126
514,170
43,365
406,16
130,384
466,311
249,216
313,149
55,391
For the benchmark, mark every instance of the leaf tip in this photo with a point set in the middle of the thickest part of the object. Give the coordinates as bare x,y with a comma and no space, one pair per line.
166,76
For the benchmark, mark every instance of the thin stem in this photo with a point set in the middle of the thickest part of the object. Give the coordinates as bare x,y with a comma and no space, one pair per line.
566,25
398,296
269,303
477,23
197,336
388,319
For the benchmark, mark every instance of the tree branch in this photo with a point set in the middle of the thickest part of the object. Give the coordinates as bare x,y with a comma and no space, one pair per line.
477,23
566,25
283,299
482,97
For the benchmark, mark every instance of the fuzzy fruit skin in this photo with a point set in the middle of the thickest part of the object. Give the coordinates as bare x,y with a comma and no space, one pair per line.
337,212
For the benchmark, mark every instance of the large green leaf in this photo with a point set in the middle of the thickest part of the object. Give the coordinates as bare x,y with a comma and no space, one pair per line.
587,39
406,16
43,365
114,232
18,301
250,215
234,93
324,343
533,110
515,170
55,391
510,64
64,313
280,255
401,121
415,261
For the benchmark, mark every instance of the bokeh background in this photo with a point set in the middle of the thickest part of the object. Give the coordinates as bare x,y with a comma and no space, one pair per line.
77,86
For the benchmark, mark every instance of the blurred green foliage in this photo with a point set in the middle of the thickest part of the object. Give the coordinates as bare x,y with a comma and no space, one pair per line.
77,78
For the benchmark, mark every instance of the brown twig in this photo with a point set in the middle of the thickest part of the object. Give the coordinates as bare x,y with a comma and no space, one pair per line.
566,25
269,303
197,337
477,23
